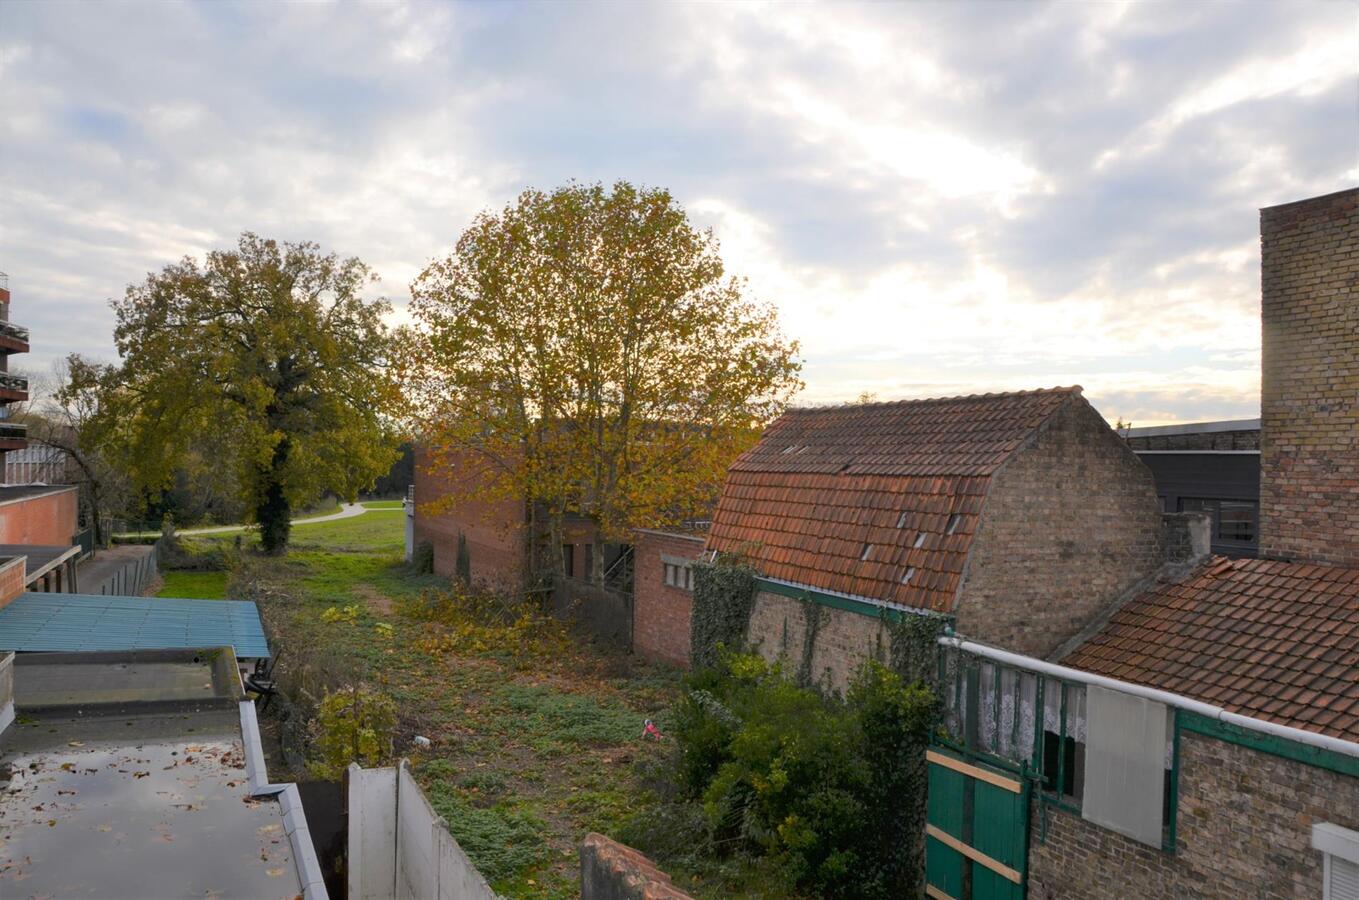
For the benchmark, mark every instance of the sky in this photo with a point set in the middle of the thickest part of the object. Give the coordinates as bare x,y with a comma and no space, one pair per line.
940,198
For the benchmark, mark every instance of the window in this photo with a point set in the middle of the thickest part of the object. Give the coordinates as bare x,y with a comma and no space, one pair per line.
919,540
901,520
1233,520
1340,861
953,522
866,553
1236,521
568,560
908,575
679,575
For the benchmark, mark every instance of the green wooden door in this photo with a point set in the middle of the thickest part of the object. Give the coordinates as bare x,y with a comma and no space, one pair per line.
976,831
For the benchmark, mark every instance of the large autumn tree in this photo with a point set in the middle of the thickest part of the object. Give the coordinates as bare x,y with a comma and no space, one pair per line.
270,351
585,350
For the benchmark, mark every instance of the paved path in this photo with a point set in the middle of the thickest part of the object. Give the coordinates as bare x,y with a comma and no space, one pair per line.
347,511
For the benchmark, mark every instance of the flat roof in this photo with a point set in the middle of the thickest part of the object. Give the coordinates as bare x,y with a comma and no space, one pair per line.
10,493
111,801
1193,428
41,559
40,622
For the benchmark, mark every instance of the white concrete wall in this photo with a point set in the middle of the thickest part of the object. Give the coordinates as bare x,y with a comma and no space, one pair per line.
6,690
399,848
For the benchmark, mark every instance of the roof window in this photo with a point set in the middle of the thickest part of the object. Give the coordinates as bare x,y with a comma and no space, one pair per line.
953,521
908,575
919,540
791,448
867,552
901,520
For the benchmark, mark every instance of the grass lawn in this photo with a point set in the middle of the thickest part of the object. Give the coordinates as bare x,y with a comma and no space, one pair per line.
382,504
193,585
534,733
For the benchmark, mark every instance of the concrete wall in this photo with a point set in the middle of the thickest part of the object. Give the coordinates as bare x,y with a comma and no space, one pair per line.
1309,390
612,871
399,848
6,690
45,520
1244,830
494,528
660,611
1071,523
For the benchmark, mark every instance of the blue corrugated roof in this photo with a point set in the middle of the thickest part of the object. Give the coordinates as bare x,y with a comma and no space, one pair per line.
83,622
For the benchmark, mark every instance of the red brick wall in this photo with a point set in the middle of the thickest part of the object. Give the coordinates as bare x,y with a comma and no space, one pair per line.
1071,523
1244,828
494,529
660,628
11,580
1309,391
46,520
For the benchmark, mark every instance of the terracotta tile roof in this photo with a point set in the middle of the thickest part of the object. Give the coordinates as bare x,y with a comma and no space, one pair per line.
1274,640
878,500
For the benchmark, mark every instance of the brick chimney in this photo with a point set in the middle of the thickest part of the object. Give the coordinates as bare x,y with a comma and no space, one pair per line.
1309,389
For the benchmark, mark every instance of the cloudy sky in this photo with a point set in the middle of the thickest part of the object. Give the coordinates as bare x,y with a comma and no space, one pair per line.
940,198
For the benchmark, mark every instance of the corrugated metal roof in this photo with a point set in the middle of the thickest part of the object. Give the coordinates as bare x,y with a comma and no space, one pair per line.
82,622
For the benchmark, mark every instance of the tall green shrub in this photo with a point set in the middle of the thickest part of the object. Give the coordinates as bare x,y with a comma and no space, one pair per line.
829,791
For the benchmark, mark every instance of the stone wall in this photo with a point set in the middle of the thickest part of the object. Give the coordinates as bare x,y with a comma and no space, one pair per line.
661,612
1071,523
1309,397
778,629
1243,830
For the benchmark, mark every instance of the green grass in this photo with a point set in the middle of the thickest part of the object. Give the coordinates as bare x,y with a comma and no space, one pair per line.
194,585
529,754
382,504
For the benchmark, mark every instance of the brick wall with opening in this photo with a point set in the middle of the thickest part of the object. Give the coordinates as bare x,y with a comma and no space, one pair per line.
663,594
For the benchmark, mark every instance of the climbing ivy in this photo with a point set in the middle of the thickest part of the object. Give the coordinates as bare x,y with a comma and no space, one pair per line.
813,615
913,642
724,597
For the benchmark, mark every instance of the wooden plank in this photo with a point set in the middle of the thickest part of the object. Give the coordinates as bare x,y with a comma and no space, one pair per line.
932,891
976,772
973,854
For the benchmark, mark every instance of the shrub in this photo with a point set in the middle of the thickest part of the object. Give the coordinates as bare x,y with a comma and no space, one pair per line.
352,724
828,791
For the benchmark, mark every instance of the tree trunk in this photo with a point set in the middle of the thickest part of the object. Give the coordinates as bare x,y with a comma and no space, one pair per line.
273,513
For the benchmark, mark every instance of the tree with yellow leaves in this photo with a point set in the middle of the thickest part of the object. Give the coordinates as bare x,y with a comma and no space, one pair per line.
585,350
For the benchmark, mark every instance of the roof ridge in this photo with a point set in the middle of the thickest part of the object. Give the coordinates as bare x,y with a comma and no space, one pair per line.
1075,389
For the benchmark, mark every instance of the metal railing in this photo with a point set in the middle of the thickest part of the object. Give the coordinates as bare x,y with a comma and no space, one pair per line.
13,431
13,382
17,332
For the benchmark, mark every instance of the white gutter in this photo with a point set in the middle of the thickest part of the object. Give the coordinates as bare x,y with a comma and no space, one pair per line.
1298,735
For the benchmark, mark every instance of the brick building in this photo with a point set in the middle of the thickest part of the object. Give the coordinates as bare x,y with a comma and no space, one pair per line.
1275,638
497,532
663,593
1309,398
1022,515
44,517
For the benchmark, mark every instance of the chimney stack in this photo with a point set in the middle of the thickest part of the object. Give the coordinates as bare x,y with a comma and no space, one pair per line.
1309,388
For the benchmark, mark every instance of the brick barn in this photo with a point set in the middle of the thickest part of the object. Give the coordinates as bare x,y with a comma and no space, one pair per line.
1023,515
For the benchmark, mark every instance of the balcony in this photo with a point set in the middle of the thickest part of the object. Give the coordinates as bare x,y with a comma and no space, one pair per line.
13,338
13,387
13,436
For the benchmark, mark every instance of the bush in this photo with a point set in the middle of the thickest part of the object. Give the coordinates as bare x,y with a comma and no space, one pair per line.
828,791
352,724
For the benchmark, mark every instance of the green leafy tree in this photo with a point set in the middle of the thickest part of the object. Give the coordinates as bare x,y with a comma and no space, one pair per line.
586,351
271,352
